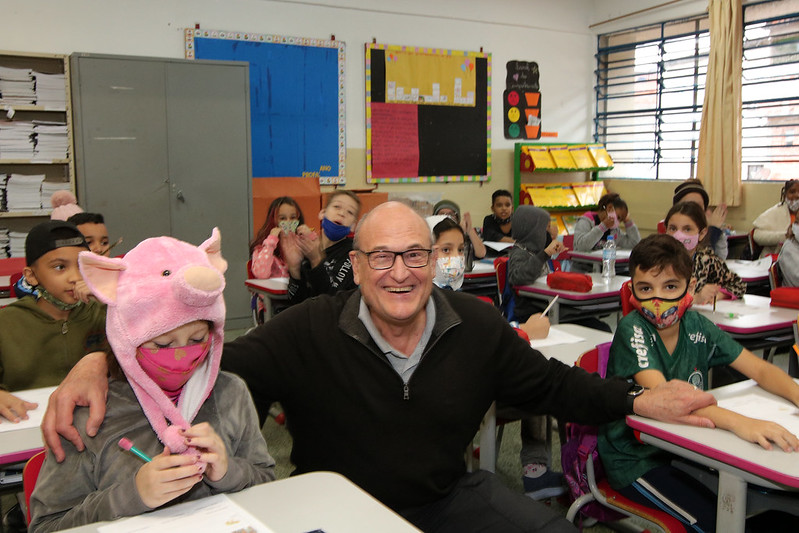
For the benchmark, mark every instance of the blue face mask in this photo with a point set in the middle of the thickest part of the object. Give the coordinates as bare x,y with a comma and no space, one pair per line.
333,231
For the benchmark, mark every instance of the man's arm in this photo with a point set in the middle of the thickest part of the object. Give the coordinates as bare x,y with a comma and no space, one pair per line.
675,401
85,385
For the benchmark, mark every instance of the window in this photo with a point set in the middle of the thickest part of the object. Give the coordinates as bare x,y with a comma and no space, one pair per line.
650,88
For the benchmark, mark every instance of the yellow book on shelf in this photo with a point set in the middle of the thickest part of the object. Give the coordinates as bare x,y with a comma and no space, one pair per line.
541,157
589,193
582,157
600,155
562,157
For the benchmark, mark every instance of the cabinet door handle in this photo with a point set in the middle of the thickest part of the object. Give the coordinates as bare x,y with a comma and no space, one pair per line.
180,196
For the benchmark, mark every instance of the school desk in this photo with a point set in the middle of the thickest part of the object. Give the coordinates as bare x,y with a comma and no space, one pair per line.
755,323
21,441
737,461
603,298
482,279
754,273
594,259
272,290
7,301
317,501
566,343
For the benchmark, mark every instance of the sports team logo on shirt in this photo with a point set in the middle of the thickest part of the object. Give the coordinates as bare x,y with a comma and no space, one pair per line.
697,379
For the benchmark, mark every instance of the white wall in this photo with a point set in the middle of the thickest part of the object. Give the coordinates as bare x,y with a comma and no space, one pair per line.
554,34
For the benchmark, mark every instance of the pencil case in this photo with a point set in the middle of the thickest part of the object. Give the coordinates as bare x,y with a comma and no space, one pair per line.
570,281
785,297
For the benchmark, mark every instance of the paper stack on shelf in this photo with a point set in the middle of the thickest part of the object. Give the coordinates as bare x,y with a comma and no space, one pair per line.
52,141
17,86
4,243
23,192
3,205
50,91
16,140
48,188
16,243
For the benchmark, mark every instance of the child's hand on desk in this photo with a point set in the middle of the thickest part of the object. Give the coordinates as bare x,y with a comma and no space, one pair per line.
536,327
708,293
213,451
13,408
763,432
166,477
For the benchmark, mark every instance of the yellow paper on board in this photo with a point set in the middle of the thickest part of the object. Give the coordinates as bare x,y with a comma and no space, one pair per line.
416,77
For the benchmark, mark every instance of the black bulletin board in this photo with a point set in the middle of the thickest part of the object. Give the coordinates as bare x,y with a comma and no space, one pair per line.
453,139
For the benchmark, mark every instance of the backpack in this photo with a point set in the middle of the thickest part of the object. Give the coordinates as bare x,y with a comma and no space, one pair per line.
579,447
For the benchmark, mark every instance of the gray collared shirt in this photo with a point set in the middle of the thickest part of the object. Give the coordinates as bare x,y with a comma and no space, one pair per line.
402,363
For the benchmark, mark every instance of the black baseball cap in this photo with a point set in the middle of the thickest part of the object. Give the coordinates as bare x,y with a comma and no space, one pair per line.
688,186
49,236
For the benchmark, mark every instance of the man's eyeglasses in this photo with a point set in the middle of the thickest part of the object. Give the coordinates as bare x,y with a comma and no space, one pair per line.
384,259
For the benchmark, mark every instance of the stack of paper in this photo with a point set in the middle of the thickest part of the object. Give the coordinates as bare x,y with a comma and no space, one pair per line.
48,188
3,205
16,140
24,193
50,90
17,86
4,243
51,139
16,243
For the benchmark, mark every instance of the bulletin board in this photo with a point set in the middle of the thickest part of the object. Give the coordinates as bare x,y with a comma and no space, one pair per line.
428,115
296,100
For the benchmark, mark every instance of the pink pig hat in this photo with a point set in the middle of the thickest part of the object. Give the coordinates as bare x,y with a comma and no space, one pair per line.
162,284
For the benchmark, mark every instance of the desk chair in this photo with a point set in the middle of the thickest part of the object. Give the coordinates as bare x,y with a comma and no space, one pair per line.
29,476
256,315
505,295
625,293
774,275
603,497
754,248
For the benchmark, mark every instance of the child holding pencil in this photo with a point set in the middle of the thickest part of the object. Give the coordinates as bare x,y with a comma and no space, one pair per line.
165,323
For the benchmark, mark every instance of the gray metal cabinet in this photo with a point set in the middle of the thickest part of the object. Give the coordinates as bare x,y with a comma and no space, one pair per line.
163,148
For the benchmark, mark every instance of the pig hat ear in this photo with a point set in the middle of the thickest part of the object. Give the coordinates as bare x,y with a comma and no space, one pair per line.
101,274
213,247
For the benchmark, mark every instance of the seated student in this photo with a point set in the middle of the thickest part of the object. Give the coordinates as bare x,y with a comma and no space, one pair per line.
92,226
284,216
789,259
497,225
321,265
662,341
593,228
41,337
714,280
474,244
527,259
166,319
774,225
691,190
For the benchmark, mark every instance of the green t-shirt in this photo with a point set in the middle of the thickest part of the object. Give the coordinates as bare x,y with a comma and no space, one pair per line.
636,347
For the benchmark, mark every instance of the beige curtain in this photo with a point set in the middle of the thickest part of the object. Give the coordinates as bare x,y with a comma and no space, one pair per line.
719,161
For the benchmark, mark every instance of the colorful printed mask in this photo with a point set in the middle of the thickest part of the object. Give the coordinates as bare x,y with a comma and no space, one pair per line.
661,312
171,368
289,226
689,241
334,232
449,272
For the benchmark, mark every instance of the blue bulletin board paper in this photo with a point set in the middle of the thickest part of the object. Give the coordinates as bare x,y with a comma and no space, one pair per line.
296,100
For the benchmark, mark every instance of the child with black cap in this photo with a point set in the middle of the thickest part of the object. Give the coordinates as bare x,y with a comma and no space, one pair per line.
41,338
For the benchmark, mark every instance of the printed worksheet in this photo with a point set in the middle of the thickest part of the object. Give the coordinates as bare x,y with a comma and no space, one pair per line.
756,406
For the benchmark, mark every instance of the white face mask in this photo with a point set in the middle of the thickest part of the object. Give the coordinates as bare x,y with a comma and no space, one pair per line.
793,205
449,272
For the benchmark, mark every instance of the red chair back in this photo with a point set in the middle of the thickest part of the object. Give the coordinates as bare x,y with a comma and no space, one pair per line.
501,267
625,293
250,275
774,275
30,473
589,361
661,227
13,281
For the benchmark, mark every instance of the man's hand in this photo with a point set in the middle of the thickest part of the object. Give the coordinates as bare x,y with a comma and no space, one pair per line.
85,385
13,408
675,401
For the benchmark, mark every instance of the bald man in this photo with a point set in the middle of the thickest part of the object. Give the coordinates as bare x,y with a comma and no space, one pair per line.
388,383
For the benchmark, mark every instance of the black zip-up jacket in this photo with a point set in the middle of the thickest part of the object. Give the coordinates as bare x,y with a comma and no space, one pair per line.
332,275
350,412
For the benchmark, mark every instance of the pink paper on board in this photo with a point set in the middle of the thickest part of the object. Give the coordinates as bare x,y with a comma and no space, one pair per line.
395,140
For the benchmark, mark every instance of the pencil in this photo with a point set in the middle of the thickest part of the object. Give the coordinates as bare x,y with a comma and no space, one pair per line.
714,304
555,299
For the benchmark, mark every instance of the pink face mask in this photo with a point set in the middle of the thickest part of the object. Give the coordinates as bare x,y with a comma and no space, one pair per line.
171,368
689,241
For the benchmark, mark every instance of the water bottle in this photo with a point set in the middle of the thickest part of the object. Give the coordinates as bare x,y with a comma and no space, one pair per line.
609,258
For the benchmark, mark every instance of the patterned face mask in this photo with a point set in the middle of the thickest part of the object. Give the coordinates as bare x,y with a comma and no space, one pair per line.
289,226
661,312
171,368
689,241
449,272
